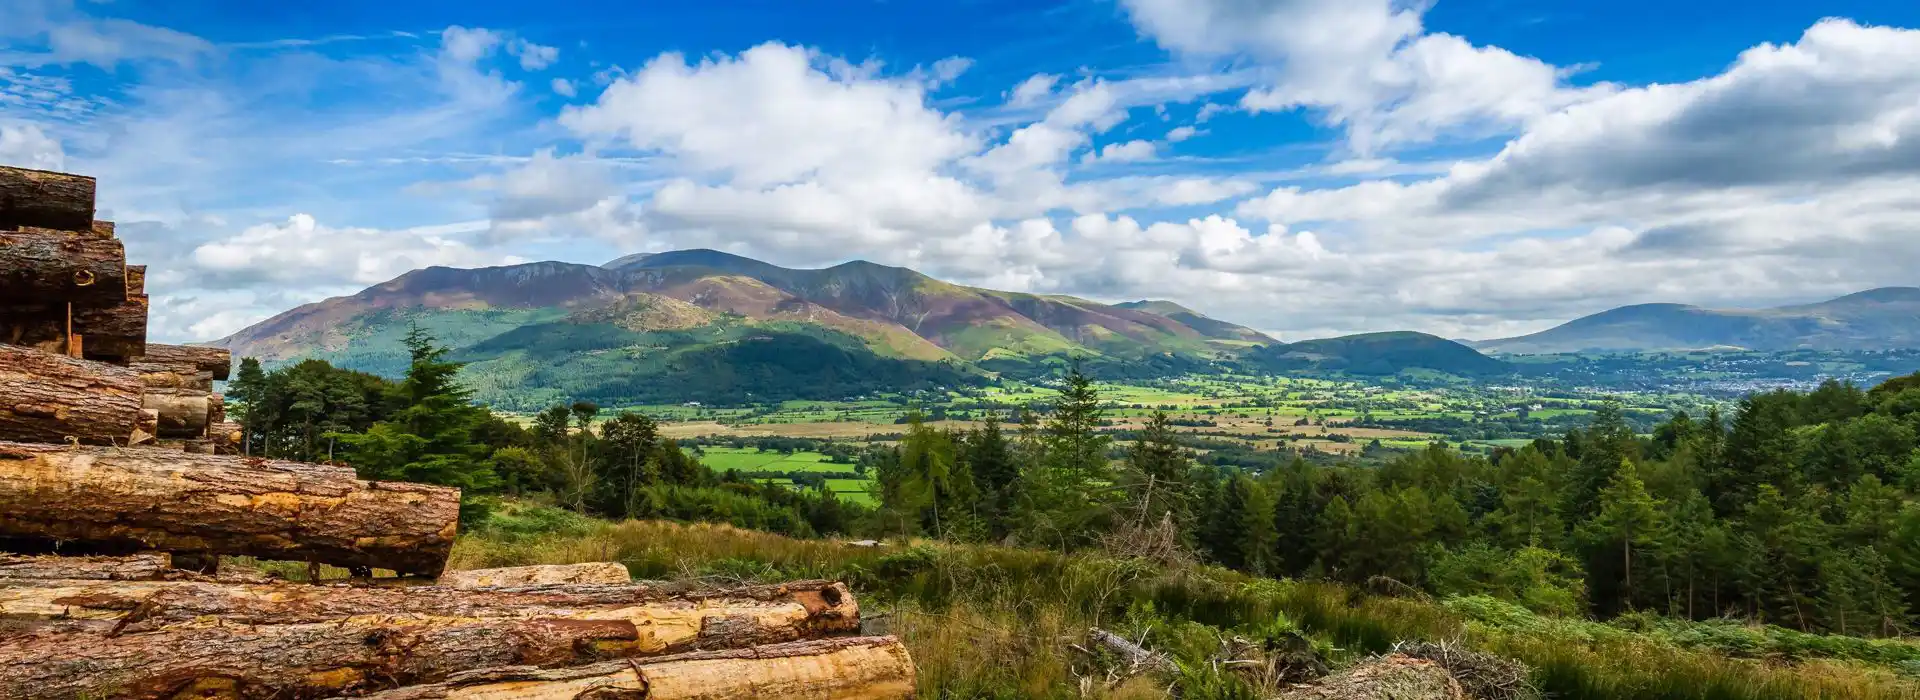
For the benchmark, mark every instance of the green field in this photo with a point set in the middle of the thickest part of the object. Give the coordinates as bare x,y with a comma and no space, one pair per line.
753,460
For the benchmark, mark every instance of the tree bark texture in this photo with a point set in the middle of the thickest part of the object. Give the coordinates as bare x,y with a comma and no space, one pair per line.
48,268
46,199
146,566
157,375
47,398
172,501
183,412
136,275
299,640
218,361
114,333
292,661
859,668
605,572
666,618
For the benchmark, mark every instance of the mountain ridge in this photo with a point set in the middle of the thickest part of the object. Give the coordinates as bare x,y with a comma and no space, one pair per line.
1874,319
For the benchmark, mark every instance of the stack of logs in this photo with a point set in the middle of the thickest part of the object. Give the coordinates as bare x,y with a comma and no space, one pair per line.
119,494
75,364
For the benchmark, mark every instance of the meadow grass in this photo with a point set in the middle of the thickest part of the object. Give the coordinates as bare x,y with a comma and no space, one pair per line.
999,622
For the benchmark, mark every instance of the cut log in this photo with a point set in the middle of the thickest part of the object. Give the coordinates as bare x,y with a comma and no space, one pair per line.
47,268
49,398
40,328
226,437
104,229
170,501
165,376
596,573
114,333
145,566
292,661
136,274
860,668
218,361
216,409
668,618
47,199
183,412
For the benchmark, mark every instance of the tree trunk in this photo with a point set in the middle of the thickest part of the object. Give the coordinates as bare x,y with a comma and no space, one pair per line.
670,618
171,501
114,333
594,573
50,268
293,661
219,361
167,376
49,398
145,566
860,668
46,199
183,412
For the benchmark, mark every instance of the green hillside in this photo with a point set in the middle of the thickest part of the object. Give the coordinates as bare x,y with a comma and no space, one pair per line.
703,325
1378,354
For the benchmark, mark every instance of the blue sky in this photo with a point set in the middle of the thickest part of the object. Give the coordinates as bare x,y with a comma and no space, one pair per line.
1307,167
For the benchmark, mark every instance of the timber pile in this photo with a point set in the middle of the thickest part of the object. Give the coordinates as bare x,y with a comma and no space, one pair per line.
120,491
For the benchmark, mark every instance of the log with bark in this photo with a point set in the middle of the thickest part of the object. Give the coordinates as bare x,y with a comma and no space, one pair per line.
45,199
218,361
113,333
860,668
48,268
291,661
104,229
49,398
216,409
225,436
668,618
145,566
184,413
171,501
136,275
295,640
604,572
157,375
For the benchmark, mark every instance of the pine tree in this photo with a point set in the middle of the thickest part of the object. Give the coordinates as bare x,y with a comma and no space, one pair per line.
429,439
1609,443
1628,531
247,391
996,470
1159,475
626,464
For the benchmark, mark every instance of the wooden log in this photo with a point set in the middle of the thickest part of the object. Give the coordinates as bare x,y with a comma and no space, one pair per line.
49,398
150,499
859,668
226,437
114,333
595,573
104,229
148,429
216,409
145,566
183,413
136,276
291,661
166,376
47,199
669,618
47,268
218,361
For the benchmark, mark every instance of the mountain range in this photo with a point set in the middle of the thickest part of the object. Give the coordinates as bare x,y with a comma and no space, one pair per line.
1872,320
712,326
